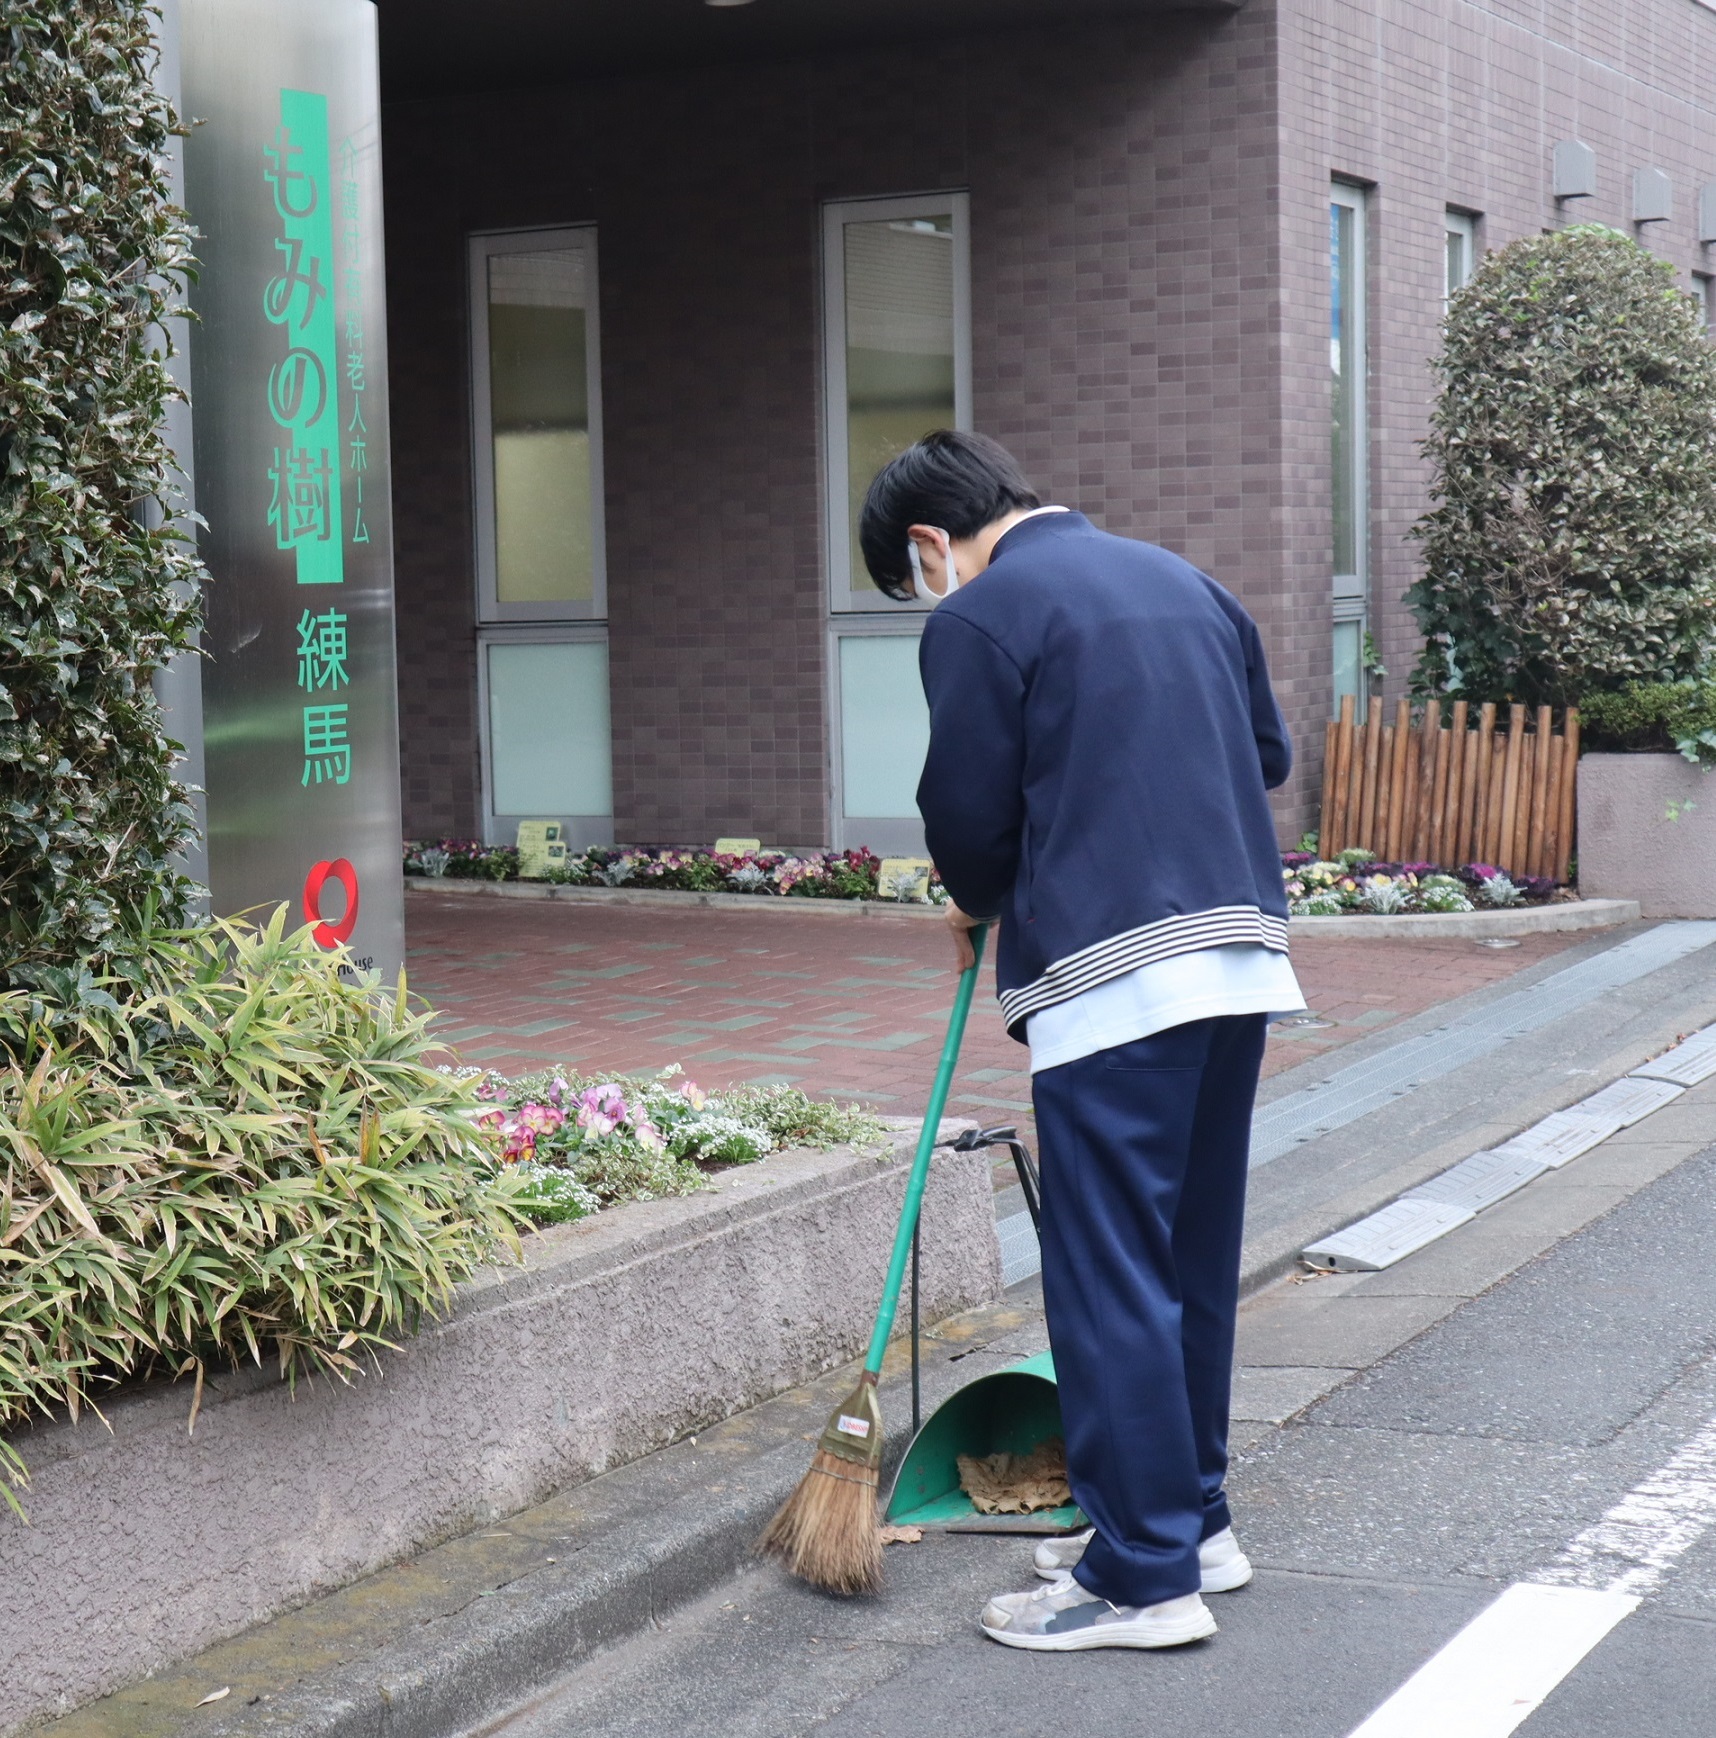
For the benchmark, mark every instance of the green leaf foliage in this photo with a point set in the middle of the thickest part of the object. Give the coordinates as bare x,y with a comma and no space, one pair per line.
243,1156
1660,716
99,587
1572,546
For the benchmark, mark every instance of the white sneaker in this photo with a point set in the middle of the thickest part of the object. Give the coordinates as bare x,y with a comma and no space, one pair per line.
1064,1618
1224,1565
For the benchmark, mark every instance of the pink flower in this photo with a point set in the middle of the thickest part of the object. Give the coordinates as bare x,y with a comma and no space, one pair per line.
601,1109
693,1094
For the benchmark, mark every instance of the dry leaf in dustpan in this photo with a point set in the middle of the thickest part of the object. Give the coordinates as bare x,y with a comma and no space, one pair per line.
1017,1484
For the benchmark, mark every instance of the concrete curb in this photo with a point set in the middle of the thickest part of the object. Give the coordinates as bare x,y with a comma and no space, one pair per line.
659,898
1461,925
1476,925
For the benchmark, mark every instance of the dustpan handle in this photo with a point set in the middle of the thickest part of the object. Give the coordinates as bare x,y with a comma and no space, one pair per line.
920,1164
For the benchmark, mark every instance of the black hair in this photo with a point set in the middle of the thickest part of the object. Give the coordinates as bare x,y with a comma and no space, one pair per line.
957,482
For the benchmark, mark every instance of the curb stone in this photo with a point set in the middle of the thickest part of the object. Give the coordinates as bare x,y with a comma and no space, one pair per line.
1461,925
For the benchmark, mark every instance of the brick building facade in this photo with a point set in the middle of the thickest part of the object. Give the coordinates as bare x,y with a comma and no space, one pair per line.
1149,241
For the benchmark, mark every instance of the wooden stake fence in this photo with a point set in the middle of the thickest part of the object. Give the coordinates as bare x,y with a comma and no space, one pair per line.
1460,792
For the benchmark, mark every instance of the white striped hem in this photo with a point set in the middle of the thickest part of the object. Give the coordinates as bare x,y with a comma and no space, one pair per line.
1119,954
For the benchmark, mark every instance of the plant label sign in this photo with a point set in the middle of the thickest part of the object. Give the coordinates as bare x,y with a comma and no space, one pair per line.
289,434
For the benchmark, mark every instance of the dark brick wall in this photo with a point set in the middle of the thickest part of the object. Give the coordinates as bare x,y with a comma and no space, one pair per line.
1150,312
1119,181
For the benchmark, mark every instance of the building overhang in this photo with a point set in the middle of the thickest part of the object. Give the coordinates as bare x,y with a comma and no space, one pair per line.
437,47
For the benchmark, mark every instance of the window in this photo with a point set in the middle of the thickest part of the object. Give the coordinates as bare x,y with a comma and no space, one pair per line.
541,585
1704,290
897,363
536,381
897,337
547,754
1460,238
1349,437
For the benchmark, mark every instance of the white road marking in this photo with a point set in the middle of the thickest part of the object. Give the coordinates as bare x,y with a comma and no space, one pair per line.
1638,1540
1503,1665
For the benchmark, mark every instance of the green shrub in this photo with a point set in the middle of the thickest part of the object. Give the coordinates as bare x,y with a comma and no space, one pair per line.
1655,715
1572,547
245,1155
99,590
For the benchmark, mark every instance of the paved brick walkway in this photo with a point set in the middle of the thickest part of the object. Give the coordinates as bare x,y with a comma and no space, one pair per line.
848,1008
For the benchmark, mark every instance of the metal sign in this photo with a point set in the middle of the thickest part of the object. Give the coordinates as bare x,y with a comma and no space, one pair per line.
289,425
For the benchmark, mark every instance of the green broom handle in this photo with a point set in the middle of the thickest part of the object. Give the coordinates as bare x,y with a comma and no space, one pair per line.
920,1164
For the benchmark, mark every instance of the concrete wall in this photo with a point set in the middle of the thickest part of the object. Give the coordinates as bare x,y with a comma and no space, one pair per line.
617,1336
1647,831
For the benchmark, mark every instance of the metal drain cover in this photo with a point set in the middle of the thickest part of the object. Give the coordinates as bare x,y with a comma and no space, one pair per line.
1387,1236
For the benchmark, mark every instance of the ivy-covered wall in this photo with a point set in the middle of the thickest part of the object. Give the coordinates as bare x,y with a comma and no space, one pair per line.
98,591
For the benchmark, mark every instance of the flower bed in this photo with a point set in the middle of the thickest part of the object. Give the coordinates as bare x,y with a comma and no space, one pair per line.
1355,884
813,875
578,1145
1352,884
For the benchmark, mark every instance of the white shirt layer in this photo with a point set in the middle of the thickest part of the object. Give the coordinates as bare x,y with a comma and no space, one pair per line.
1243,978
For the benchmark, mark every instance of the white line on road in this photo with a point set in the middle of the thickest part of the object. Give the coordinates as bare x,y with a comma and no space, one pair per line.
1637,1541
1502,1666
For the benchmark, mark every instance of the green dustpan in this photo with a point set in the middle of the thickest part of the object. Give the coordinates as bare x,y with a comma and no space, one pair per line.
1011,1411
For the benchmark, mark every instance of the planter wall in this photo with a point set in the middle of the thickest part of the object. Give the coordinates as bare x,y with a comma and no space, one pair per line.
1647,831
616,1337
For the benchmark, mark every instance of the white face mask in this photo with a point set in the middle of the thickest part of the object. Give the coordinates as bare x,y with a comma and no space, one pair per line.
919,584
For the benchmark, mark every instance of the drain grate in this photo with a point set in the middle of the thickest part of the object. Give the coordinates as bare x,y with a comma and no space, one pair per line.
1361,1087
1020,1254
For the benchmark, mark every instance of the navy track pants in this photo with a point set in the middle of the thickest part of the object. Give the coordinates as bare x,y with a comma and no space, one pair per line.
1144,1154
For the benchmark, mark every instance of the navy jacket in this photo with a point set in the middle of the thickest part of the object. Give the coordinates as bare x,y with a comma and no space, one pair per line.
1102,732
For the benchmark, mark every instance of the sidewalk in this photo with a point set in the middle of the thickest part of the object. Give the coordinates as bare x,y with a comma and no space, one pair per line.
843,1009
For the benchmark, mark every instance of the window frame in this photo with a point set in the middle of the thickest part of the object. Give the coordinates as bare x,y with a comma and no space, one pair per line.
1456,221
1350,592
844,597
482,246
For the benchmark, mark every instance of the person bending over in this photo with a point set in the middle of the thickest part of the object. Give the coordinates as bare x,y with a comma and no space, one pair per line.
1102,733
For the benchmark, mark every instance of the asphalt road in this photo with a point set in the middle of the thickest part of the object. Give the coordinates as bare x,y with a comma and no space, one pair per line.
1553,1431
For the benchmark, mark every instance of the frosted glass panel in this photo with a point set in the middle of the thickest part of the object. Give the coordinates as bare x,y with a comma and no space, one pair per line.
1349,666
899,350
539,389
548,730
884,726
1347,438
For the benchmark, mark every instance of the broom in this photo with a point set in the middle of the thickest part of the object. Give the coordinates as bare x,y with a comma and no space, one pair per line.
826,1532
